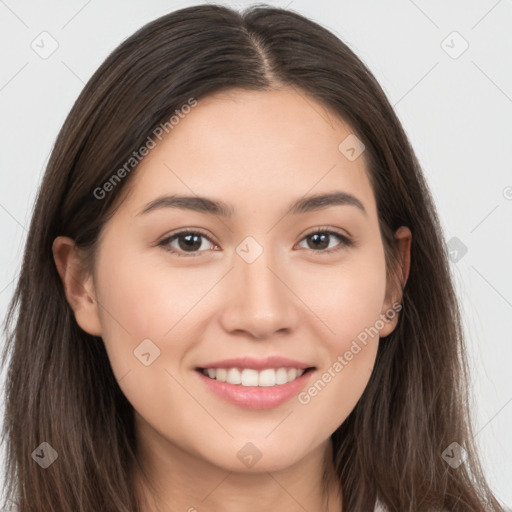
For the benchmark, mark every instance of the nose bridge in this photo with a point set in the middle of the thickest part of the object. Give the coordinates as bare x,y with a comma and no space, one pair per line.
260,303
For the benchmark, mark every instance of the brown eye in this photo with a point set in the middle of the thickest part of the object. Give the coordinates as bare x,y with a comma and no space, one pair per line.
189,243
319,240
324,241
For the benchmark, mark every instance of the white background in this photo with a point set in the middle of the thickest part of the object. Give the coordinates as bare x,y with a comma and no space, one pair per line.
456,111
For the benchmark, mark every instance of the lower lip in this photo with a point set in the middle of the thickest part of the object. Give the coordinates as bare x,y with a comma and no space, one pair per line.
256,397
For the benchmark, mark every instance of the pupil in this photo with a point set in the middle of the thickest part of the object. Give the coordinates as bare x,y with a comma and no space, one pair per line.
196,244
320,237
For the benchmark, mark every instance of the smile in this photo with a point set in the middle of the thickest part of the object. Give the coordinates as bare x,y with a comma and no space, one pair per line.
250,377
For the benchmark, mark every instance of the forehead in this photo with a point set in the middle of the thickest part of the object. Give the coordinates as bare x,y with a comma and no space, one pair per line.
253,147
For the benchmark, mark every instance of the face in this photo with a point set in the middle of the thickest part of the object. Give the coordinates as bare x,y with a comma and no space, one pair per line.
280,301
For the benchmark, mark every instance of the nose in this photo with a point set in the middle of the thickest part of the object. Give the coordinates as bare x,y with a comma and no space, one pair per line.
261,301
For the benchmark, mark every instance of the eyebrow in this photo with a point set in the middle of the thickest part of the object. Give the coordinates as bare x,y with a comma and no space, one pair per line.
216,207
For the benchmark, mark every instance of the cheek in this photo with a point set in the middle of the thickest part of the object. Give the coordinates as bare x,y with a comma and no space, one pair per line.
141,300
350,349
142,308
349,299
349,302
135,305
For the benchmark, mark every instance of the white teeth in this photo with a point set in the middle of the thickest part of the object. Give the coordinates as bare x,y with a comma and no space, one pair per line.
234,376
292,374
250,377
267,377
281,376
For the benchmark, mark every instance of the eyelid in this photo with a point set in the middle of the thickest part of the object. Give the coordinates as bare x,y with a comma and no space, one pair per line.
346,240
165,241
331,230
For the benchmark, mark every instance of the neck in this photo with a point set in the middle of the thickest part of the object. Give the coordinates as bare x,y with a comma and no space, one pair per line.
172,479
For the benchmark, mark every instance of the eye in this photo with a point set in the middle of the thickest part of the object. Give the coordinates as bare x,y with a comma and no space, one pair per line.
321,238
189,243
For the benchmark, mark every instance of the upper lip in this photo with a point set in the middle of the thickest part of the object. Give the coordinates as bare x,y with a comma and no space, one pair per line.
258,363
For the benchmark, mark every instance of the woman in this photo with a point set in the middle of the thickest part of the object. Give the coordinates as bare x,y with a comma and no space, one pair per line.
235,293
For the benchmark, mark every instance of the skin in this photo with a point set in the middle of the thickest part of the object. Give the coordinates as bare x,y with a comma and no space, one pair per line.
259,152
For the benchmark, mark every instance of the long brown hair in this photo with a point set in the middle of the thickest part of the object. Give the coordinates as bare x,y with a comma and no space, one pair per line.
60,388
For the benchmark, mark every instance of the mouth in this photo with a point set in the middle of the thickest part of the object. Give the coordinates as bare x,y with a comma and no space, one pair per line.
255,383
268,377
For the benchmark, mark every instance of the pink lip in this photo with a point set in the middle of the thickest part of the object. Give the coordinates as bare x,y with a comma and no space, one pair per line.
255,397
258,364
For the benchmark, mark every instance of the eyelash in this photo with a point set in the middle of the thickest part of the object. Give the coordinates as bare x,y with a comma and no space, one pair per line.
345,242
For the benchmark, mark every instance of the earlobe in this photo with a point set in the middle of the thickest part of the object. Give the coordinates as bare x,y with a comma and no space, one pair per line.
78,285
393,303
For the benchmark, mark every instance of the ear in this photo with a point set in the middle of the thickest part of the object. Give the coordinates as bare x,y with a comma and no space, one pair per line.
393,300
78,285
